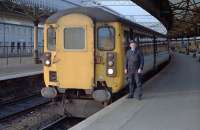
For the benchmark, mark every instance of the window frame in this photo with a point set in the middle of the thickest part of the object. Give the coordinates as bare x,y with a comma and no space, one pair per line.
48,40
85,45
107,26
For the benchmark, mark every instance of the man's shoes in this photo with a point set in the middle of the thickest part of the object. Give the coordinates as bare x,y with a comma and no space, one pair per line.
130,96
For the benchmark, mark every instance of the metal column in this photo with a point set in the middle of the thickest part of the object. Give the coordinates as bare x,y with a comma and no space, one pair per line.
154,52
188,43
35,49
195,40
168,41
4,39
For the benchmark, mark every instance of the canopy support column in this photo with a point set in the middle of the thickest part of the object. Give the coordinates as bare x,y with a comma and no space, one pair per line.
35,48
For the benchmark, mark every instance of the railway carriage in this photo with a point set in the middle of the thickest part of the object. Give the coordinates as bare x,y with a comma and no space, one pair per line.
84,50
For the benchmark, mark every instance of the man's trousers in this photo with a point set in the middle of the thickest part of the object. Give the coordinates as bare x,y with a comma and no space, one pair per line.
135,85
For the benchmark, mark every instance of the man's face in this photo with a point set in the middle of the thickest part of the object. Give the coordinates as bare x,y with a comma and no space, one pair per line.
133,45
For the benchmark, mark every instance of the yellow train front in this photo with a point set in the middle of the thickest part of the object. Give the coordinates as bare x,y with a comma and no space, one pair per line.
84,50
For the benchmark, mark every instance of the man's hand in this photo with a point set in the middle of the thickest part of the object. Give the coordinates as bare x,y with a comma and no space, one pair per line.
139,71
125,71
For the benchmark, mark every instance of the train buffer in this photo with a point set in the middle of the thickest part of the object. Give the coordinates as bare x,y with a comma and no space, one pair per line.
171,102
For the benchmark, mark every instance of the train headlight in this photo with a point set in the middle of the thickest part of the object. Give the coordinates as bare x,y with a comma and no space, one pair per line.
47,62
110,71
110,55
110,63
47,59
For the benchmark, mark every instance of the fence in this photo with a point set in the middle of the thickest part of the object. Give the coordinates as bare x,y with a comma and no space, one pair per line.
13,55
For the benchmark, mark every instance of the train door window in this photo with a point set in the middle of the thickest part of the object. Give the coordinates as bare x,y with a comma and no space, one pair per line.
74,38
51,39
106,38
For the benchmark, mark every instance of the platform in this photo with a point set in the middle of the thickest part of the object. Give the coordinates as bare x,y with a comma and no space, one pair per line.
18,71
171,102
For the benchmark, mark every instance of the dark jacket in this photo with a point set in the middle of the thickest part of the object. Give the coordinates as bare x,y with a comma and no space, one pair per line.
134,61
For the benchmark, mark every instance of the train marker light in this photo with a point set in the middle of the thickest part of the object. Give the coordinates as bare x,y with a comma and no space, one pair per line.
47,62
47,59
110,71
110,63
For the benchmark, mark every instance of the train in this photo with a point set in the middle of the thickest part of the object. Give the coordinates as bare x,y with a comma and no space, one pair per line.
85,48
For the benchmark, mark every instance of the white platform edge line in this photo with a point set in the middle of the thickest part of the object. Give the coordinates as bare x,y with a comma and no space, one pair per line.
13,76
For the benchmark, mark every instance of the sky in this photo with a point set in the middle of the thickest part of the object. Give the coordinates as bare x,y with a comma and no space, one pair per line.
135,13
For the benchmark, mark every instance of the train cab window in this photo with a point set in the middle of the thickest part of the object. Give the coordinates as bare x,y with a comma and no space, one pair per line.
106,38
51,39
74,38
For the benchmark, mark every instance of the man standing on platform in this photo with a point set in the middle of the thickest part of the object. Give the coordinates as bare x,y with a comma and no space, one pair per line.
133,68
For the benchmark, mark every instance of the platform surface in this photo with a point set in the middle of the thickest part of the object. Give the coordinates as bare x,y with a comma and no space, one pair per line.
21,70
171,102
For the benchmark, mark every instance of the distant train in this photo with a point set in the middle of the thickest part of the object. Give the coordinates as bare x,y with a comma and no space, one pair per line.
84,50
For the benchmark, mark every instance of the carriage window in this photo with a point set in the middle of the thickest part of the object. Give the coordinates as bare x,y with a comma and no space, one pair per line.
106,38
51,39
74,38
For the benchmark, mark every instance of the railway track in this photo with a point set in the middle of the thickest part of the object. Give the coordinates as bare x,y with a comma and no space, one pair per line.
63,123
21,106
16,99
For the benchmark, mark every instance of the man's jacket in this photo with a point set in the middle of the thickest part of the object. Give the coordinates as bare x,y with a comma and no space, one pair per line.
134,61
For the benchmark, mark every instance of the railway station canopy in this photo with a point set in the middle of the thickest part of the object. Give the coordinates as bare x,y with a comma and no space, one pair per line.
180,17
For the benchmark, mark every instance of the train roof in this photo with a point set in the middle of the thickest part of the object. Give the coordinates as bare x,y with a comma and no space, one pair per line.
99,14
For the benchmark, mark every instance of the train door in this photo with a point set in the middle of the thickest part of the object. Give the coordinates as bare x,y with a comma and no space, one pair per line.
126,40
76,66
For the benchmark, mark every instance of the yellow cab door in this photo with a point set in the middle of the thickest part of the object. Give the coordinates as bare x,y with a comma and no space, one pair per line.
76,52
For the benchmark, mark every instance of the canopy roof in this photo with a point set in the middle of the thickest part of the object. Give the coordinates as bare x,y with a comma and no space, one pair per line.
180,17
99,14
158,8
